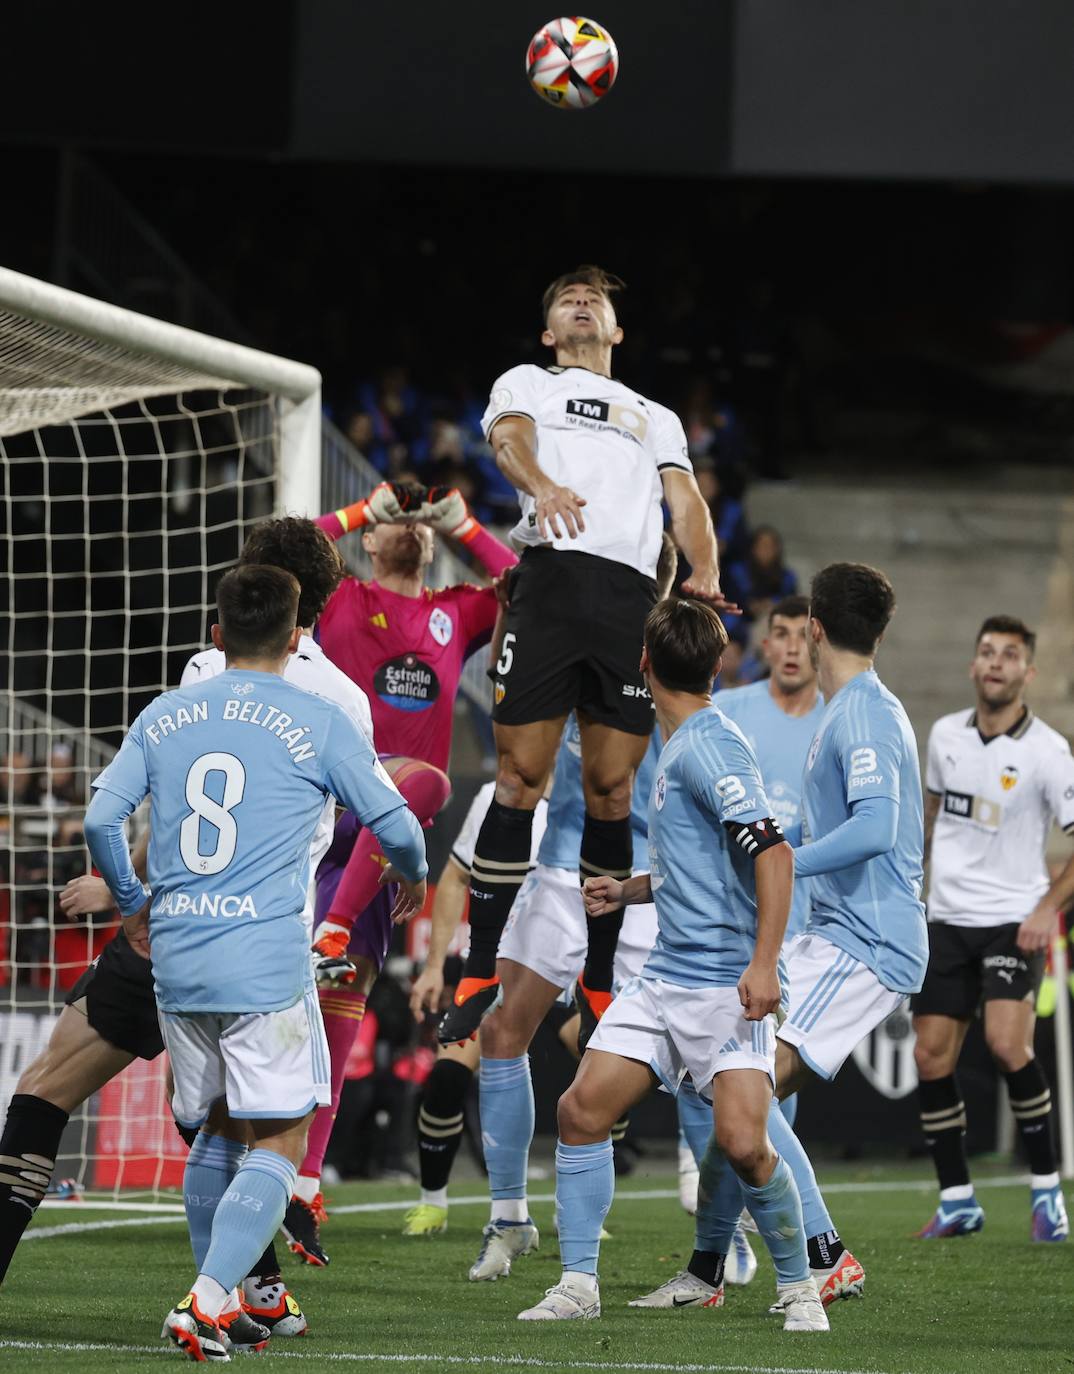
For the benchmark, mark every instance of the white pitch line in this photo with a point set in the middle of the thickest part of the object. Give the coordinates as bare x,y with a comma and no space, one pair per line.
476,1199
460,1361
104,1204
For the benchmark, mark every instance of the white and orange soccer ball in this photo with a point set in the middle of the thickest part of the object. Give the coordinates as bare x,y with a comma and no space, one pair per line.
572,62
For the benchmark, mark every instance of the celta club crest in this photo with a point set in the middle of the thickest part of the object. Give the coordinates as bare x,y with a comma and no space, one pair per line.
886,1057
661,791
440,627
814,749
1008,778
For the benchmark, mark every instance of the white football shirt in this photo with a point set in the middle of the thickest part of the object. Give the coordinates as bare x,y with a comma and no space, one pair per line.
604,441
310,669
999,799
462,851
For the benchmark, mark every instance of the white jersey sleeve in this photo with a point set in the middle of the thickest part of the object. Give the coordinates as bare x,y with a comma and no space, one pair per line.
1059,786
671,448
202,666
513,393
933,772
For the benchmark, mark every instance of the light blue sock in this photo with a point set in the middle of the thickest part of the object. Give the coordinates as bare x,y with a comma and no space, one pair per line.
789,1108
786,1144
507,1120
776,1209
695,1120
719,1202
585,1185
210,1166
248,1216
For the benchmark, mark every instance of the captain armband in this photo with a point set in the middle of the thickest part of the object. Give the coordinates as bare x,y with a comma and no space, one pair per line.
755,836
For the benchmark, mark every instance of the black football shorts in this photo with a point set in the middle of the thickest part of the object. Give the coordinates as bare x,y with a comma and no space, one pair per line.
969,965
573,640
120,1005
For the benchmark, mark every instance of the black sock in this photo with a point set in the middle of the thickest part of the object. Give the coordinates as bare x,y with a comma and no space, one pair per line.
440,1121
825,1250
1031,1103
707,1266
607,849
943,1120
189,1134
501,859
267,1267
28,1148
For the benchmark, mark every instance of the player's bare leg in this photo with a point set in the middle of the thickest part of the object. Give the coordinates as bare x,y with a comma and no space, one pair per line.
526,755
441,1118
507,1116
610,758
75,1063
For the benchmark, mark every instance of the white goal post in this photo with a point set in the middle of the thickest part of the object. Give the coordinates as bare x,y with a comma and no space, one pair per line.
134,457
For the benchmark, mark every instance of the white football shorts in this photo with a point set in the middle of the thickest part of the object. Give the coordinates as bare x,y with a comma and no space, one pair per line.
546,930
266,1064
679,1031
835,1001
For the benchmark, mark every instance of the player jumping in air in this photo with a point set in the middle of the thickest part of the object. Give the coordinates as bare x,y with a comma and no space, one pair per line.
238,770
405,644
721,878
997,778
591,459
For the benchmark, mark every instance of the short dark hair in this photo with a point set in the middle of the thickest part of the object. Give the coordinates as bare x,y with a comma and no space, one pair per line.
586,275
684,640
258,609
667,564
1008,625
791,607
854,603
304,550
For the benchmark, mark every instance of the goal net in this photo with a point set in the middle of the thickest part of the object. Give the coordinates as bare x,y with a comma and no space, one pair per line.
134,456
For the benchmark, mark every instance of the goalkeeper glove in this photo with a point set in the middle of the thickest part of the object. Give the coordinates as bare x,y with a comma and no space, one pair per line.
388,503
447,512
331,967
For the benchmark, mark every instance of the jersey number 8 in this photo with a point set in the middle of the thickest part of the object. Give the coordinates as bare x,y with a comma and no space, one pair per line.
215,813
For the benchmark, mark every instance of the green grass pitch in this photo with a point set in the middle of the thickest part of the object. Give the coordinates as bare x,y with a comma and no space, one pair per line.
991,1304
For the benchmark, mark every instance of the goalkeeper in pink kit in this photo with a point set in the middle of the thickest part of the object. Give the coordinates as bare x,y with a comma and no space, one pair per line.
405,645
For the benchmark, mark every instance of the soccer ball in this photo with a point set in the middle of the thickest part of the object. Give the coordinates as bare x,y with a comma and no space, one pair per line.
572,62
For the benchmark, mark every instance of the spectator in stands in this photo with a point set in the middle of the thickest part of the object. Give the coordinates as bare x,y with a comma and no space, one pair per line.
61,782
761,578
728,511
18,779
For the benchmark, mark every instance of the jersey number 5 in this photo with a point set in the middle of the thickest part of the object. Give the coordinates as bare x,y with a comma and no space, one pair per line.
215,813
507,655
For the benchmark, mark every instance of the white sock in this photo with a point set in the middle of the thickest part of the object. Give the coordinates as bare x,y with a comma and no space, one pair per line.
211,1297
576,1279
962,1193
434,1197
307,1188
509,1209
1038,1181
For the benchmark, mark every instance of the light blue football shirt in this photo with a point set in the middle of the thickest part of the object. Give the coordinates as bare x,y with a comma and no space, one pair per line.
703,882
237,769
865,747
781,743
562,840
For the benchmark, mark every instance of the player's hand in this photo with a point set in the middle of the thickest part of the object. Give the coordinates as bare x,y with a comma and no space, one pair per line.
445,509
555,504
1038,930
395,503
426,992
602,895
84,895
704,584
502,587
136,929
411,897
759,991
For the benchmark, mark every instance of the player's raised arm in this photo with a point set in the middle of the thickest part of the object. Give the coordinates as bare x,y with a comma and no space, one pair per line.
447,512
389,503
691,526
514,444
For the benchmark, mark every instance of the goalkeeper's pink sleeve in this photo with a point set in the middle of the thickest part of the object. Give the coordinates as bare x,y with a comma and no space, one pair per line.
493,556
340,522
